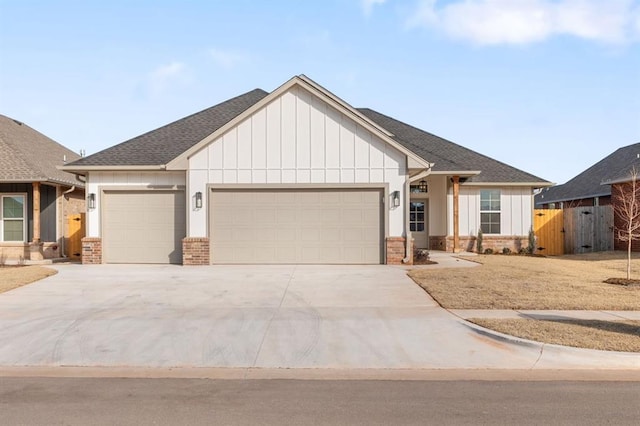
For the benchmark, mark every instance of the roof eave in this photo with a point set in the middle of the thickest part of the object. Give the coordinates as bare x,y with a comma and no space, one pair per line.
528,184
81,170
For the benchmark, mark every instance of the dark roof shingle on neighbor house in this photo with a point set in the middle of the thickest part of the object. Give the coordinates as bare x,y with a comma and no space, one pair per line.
593,181
162,145
27,155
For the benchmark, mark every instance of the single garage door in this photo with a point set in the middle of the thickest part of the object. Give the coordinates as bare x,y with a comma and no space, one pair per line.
296,226
143,226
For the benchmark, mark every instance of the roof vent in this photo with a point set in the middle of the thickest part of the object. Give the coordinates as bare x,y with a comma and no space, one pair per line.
19,123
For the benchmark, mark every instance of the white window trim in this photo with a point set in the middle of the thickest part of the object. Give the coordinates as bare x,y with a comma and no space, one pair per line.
480,211
25,216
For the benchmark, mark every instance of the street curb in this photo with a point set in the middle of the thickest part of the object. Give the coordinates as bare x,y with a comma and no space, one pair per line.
334,374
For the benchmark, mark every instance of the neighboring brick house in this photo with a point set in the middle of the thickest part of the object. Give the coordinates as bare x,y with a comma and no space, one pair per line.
594,186
296,175
587,188
35,197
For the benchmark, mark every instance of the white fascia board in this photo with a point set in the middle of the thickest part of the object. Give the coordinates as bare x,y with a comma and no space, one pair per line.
528,184
83,169
462,173
179,163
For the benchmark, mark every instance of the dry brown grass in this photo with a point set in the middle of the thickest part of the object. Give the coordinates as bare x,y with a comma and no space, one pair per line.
621,336
16,276
525,282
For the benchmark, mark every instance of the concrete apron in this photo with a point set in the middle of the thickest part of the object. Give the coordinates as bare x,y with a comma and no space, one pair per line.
307,317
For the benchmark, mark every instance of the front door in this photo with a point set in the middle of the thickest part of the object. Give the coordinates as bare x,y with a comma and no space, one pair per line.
418,223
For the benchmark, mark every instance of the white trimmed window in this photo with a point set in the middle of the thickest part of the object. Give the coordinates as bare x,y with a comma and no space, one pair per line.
13,213
490,211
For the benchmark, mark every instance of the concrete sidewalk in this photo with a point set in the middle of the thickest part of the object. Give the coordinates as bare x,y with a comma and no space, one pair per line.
554,315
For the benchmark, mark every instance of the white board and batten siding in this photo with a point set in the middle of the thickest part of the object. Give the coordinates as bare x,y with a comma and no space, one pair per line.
296,139
515,214
100,180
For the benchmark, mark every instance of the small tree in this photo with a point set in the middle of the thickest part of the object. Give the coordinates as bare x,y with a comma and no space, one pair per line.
626,210
479,248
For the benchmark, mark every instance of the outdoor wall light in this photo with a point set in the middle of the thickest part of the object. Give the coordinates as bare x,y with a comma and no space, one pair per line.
395,197
198,200
91,201
422,186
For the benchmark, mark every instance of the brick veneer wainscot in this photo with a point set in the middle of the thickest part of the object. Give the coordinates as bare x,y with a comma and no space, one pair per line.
91,251
195,251
396,252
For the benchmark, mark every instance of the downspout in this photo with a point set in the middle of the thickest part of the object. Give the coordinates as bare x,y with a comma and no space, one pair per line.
63,246
407,221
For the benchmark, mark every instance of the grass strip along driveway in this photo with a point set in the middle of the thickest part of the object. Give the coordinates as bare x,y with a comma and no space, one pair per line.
573,282
16,276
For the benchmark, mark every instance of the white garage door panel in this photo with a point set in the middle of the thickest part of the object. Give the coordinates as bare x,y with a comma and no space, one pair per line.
143,226
296,226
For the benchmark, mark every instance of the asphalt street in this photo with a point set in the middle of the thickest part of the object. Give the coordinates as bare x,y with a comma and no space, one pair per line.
104,401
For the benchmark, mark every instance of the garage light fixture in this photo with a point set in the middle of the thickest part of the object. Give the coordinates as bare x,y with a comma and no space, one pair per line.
422,186
198,200
395,196
91,201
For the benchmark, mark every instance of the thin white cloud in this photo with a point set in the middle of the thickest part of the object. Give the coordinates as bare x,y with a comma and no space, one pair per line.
490,22
368,5
164,75
227,58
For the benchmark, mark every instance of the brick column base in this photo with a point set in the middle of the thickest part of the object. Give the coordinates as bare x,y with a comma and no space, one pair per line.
91,251
195,251
396,251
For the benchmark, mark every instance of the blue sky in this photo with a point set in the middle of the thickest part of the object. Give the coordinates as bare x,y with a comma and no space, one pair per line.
548,86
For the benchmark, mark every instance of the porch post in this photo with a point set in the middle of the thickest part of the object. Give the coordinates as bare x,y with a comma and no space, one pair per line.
35,248
456,213
36,212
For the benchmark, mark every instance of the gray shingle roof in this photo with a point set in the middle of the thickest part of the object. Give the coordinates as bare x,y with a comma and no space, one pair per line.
162,145
589,183
27,155
449,156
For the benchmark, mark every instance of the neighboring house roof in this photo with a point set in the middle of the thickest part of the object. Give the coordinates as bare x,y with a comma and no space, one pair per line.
30,156
593,181
161,146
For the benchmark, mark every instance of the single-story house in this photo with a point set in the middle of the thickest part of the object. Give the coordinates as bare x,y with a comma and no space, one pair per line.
589,188
596,187
35,197
620,182
296,175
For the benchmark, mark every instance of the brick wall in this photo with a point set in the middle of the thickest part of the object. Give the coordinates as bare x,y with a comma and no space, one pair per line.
91,251
396,251
437,242
195,251
495,243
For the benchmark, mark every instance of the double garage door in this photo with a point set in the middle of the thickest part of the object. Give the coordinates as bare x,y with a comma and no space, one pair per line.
312,226
296,226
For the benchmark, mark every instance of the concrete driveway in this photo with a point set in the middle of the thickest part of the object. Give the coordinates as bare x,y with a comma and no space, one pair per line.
250,316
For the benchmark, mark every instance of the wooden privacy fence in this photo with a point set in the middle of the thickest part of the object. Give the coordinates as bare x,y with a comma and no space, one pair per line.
574,230
548,226
588,229
75,228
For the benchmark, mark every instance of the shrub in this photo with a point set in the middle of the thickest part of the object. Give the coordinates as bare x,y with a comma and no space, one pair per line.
506,250
532,242
479,242
488,251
